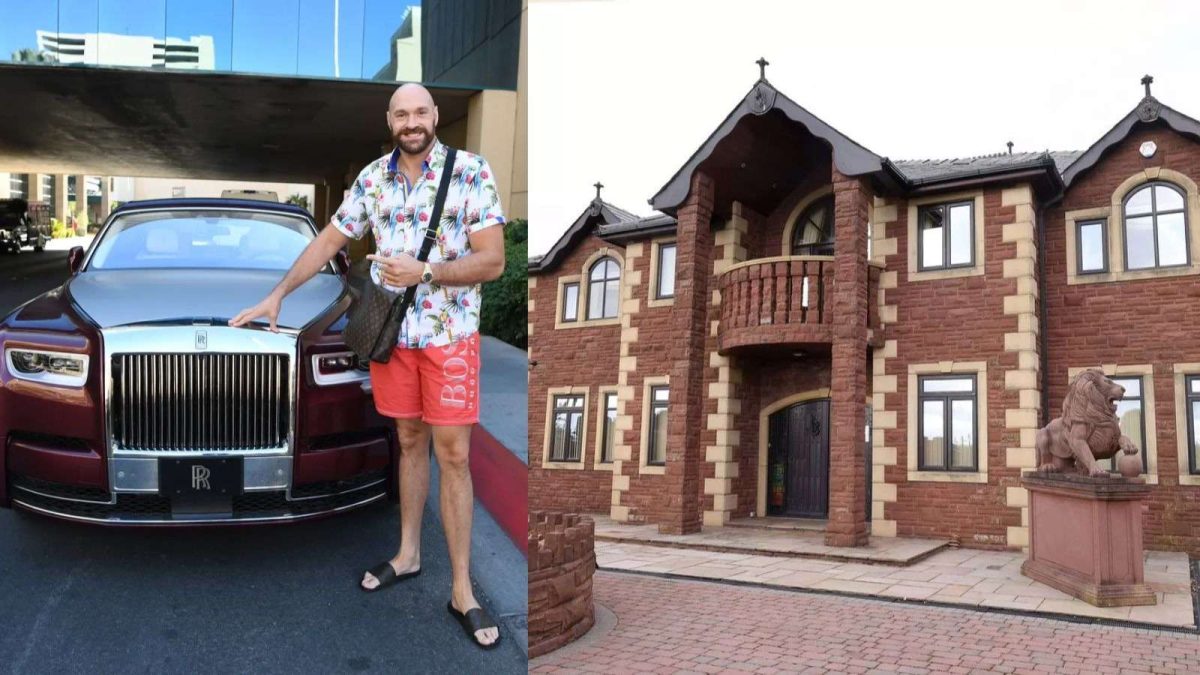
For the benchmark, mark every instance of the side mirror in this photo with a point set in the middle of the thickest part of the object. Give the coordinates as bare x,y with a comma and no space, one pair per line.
343,259
75,258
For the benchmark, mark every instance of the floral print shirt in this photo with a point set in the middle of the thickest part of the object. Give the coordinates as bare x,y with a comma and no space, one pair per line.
383,201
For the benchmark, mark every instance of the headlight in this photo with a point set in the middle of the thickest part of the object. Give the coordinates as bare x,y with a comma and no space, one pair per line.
339,368
59,368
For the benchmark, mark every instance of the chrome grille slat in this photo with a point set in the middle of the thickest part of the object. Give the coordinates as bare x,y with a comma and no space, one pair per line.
196,402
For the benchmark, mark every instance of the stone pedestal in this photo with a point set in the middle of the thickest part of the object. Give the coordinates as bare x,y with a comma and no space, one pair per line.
1086,537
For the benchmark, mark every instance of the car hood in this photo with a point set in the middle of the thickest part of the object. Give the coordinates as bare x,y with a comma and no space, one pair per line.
122,297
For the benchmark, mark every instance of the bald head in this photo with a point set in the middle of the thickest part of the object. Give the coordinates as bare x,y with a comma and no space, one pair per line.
412,118
410,94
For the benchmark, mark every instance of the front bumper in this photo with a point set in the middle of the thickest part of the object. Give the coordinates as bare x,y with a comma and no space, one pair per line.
63,482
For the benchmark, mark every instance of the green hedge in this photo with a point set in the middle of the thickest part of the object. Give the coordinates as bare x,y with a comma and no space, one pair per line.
506,300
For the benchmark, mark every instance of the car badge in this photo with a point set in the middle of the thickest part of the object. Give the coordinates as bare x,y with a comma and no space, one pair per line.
201,340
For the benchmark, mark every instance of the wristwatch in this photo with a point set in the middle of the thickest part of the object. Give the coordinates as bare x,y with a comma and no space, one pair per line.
427,275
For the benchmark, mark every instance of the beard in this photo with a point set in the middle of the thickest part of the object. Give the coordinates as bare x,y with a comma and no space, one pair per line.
417,145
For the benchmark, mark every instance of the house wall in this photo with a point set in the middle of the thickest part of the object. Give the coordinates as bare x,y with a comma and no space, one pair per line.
584,357
1131,323
984,321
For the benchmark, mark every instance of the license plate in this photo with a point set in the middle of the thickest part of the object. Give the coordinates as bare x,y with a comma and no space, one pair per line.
214,476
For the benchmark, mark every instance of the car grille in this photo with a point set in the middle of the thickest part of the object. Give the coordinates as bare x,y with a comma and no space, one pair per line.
200,402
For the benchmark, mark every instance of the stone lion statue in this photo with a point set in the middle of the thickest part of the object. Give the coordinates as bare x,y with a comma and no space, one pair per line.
1087,430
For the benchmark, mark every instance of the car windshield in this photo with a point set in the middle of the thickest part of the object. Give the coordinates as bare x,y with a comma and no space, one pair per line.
203,238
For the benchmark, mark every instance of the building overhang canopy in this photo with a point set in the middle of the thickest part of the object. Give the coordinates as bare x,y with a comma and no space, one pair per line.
215,125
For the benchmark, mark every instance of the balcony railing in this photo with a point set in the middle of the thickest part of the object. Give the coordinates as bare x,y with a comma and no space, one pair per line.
784,300
759,297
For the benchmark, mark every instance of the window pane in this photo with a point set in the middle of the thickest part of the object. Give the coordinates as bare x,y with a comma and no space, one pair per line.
610,420
947,384
1167,199
559,446
960,234
571,302
658,444
1196,386
611,289
1139,242
931,238
1196,434
596,300
1133,386
661,394
1138,203
1091,247
573,452
933,443
666,266
962,434
1129,417
1172,241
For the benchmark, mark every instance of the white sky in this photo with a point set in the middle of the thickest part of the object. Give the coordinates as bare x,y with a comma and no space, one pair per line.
623,91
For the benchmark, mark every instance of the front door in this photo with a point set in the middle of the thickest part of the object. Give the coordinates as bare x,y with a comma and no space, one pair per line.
798,461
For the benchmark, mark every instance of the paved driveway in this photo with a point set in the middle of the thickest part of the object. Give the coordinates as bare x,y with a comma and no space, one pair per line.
672,626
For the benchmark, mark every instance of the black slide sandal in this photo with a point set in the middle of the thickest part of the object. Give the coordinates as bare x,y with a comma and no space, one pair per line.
386,575
474,620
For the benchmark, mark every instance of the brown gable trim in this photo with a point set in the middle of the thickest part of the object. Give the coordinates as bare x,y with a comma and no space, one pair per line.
850,158
597,213
1148,111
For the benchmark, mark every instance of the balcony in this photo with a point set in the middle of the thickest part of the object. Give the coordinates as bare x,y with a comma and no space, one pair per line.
783,301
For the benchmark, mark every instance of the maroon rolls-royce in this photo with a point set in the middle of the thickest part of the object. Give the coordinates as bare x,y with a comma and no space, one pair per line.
125,397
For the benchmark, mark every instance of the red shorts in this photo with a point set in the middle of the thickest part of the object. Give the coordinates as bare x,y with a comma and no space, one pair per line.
438,385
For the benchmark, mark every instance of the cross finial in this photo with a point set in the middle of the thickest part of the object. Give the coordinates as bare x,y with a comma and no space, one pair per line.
1146,80
762,68
1009,144
598,186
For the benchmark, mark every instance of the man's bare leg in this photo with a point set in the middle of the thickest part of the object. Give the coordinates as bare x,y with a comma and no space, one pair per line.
414,487
452,446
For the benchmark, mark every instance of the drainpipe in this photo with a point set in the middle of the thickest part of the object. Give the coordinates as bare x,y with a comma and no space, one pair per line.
1044,375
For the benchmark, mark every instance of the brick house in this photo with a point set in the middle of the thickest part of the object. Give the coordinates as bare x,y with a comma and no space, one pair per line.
811,330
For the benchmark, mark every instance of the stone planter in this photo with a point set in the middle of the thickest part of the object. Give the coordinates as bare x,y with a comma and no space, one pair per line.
1086,537
562,560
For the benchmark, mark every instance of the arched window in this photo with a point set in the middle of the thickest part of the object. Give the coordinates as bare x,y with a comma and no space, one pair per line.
1155,227
812,233
604,282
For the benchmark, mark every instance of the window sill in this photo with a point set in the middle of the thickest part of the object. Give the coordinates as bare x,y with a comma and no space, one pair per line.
947,477
564,465
1188,480
588,323
653,470
1133,275
661,302
951,273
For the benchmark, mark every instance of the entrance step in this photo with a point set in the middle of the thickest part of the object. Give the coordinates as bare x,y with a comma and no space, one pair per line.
767,541
778,523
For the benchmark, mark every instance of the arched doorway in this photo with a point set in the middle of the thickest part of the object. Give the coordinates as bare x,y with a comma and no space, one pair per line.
798,460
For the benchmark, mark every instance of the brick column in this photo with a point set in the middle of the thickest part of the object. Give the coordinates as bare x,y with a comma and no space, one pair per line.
1024,379
693,268
847,469
724,376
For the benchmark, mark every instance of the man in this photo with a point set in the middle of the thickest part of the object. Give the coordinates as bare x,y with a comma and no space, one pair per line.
431,383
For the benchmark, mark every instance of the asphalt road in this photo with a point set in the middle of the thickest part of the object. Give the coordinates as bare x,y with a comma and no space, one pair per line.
79,598
29,274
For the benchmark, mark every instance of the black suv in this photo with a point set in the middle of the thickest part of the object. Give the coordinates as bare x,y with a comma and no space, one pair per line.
23,224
